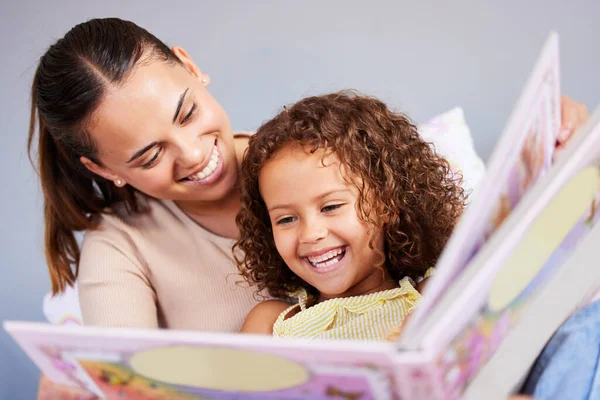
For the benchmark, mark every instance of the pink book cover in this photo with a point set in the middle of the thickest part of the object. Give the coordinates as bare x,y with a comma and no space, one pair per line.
522,156
167,364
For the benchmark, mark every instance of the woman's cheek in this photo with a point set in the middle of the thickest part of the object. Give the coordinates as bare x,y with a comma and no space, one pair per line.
156,184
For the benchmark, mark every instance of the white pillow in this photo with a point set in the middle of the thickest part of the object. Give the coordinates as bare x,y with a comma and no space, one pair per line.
449,134
63,309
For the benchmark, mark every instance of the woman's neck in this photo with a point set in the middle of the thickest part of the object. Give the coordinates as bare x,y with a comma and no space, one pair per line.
218,216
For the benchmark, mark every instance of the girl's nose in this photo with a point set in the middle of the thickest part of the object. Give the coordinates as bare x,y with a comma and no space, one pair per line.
312,232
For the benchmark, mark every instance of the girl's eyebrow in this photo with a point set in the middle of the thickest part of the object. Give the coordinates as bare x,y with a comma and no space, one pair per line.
319,197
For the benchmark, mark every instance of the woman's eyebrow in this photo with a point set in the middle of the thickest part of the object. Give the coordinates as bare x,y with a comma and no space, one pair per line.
179,104
141,152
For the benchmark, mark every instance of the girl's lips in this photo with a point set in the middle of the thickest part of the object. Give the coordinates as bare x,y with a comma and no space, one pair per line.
330,268
321,252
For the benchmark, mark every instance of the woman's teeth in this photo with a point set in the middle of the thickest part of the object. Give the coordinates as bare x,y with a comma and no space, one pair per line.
209,169
327,259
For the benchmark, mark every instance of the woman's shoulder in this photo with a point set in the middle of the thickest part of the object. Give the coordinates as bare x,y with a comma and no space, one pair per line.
120,220
144,244
139,234
162,234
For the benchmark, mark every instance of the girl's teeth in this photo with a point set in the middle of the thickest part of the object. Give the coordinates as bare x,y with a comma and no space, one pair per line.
327,259
327,255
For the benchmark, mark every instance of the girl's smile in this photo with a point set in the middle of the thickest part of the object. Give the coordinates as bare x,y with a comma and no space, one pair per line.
316,228
328,260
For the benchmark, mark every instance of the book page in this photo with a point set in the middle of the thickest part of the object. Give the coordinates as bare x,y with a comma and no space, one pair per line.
522,156
541,316
520,260
551,238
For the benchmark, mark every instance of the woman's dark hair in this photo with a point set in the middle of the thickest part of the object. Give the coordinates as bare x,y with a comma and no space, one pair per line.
70,81
400,179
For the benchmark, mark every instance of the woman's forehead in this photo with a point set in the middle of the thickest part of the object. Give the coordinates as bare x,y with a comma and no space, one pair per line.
145,102
156,84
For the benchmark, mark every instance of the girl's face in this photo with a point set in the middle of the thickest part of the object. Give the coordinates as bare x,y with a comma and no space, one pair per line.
316,228
164,134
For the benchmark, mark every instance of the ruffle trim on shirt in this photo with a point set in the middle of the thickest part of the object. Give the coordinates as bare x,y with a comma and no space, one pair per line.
321,317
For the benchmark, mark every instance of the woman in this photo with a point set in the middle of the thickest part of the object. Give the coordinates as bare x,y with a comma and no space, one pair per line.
124,121
135,151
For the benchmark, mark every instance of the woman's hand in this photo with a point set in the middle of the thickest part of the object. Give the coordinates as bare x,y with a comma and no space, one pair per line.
573,116
51,391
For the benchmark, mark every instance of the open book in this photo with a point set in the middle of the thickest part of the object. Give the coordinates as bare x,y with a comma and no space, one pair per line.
512,272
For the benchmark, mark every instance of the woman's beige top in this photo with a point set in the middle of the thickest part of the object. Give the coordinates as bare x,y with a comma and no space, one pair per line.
160,269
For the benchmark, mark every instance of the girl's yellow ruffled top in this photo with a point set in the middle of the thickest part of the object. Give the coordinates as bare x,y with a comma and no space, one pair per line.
370,317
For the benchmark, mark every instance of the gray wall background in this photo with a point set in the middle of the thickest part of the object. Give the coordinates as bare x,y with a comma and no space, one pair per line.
422,57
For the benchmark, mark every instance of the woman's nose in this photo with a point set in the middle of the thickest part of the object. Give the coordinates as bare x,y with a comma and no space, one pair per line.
191,152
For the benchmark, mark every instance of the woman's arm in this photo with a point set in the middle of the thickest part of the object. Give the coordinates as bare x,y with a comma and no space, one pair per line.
114,285
262,317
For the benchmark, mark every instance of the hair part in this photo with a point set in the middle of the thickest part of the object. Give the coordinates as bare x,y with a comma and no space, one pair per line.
402,183
70,82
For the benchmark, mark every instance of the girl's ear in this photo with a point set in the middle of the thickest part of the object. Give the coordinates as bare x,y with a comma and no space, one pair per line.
383,215
385,219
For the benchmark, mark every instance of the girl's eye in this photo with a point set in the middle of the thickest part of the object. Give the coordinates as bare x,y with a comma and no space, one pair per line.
189,114
331,207
285,221
152,161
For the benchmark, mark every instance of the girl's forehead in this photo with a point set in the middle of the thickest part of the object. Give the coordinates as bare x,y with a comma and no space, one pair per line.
296,172
300,160
297,152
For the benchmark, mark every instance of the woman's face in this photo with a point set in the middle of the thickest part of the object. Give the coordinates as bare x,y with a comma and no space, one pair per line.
164,134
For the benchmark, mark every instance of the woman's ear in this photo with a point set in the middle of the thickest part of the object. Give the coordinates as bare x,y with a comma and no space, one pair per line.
190,65
102,171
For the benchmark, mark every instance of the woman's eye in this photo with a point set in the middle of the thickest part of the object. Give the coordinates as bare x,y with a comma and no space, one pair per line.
286,220
189,114
152,161
331,207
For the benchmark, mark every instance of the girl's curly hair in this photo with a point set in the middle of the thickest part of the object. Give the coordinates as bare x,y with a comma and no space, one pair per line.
400,178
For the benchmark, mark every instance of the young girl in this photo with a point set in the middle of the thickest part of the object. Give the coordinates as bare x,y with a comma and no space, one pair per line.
343,207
